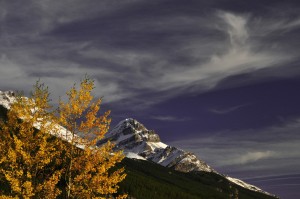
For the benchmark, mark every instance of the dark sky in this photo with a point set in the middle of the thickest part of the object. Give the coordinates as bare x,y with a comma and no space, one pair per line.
219,78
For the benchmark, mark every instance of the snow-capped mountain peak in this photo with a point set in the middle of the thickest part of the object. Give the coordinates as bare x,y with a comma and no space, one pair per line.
129,127
133,137
138,142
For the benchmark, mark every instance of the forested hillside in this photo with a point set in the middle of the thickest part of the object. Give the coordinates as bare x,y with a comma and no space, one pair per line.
146,180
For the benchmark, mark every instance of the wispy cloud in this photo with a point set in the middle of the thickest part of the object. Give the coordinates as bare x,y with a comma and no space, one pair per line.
132,57
236,28
227,110
286,184
274,178
250,150
252,157
170,118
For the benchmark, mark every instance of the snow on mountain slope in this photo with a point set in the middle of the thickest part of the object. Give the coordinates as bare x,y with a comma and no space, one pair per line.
8,97
247,186
140,143
133,156
132,137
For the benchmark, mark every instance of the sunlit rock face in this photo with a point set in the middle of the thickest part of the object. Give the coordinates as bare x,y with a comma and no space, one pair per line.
134,138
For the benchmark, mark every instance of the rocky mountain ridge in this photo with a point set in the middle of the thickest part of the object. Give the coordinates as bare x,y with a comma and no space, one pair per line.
138,142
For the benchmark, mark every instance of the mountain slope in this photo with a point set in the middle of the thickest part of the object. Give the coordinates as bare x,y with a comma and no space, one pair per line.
148,180
132,137
138,142
8,97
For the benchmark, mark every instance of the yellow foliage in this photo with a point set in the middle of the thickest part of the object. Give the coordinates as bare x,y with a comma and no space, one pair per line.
25,153
89,173
8,197
33,162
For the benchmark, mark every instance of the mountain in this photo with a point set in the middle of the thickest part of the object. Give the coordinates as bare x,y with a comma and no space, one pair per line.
148,180
154,166
138,142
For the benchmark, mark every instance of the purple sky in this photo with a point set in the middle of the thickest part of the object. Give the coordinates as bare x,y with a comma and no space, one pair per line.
219,78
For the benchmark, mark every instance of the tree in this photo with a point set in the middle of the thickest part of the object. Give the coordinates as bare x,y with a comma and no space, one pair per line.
88,172
29,153
35,163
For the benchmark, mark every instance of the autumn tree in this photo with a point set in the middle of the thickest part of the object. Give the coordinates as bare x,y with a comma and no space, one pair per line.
29,154
46,154
88,172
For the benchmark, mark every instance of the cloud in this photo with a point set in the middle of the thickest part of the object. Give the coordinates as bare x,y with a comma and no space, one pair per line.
251,150
11,73
237,28
170,118
253,157
237,57
275,25
46,14
288,185
228,110
135,57
121,57
274,178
